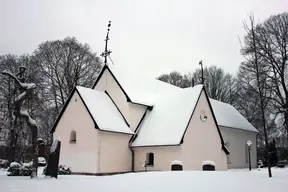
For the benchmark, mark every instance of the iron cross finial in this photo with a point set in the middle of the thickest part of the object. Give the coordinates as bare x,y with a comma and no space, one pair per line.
106,52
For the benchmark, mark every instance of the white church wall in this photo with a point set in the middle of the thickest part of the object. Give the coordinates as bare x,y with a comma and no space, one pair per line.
237,140
114,152
80,155
136,114
201,143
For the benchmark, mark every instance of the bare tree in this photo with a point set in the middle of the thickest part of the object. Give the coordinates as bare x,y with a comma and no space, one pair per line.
257,67
26,90
55,67
16,133
7,97
219,85
174,78
271,45
65,64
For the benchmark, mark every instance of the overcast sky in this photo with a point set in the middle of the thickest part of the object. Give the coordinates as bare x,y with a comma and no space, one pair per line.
153,36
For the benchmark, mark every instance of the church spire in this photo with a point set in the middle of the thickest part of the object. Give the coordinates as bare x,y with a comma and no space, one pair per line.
106,52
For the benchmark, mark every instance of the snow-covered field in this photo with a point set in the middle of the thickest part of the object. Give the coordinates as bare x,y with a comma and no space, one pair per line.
230,181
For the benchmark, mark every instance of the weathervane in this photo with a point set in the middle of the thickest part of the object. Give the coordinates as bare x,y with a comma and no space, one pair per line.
107,52
202,75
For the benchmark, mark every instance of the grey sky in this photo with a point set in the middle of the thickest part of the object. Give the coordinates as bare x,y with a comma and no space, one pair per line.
153,36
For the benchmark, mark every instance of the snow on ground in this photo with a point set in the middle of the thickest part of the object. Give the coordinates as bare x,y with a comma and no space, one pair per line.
232,180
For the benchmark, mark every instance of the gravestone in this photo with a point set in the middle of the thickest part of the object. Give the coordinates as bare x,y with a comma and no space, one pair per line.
53,160
176,165
208,167
41,147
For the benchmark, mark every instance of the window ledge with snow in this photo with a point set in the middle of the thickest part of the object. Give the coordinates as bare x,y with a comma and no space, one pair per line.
208,162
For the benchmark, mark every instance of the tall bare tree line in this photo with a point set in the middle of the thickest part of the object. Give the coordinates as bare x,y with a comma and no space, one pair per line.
55,67
259,89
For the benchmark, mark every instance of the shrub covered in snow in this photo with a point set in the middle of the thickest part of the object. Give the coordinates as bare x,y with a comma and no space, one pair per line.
25,170
16,169
4,163
41,161
62,170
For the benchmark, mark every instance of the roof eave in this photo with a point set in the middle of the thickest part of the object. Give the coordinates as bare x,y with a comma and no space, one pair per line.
142,104
160,145
240,129
118,132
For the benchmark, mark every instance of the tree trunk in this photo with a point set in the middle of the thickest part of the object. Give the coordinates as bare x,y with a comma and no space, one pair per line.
260,96
34,152
12,150
26,89
11,157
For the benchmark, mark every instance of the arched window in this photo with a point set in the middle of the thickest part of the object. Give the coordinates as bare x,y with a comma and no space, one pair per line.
73,136
150,159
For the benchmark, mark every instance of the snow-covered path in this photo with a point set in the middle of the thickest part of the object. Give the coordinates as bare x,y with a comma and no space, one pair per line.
232,180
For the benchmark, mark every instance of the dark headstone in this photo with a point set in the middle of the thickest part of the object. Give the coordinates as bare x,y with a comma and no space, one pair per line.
208,167
176,167
41,148
53,160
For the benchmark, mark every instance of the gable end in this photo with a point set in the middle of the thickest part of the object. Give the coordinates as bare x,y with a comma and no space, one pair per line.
182,139
224,148
100,75
65,106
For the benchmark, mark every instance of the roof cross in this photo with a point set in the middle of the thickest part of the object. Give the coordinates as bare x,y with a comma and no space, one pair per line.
106,52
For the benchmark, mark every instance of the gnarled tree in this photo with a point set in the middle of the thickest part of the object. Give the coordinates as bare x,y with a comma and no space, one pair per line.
26,90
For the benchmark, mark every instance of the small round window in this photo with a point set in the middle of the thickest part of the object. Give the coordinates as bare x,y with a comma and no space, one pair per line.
203,115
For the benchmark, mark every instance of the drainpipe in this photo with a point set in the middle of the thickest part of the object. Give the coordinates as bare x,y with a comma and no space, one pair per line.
132,163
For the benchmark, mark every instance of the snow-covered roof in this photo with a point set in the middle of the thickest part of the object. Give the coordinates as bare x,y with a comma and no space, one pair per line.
227,116
103,111
140,88
147,91
167,122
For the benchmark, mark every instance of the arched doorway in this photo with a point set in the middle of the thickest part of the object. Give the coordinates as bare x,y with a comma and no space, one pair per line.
208,166
176,166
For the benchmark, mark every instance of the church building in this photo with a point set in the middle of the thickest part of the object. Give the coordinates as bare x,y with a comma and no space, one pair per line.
128,123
